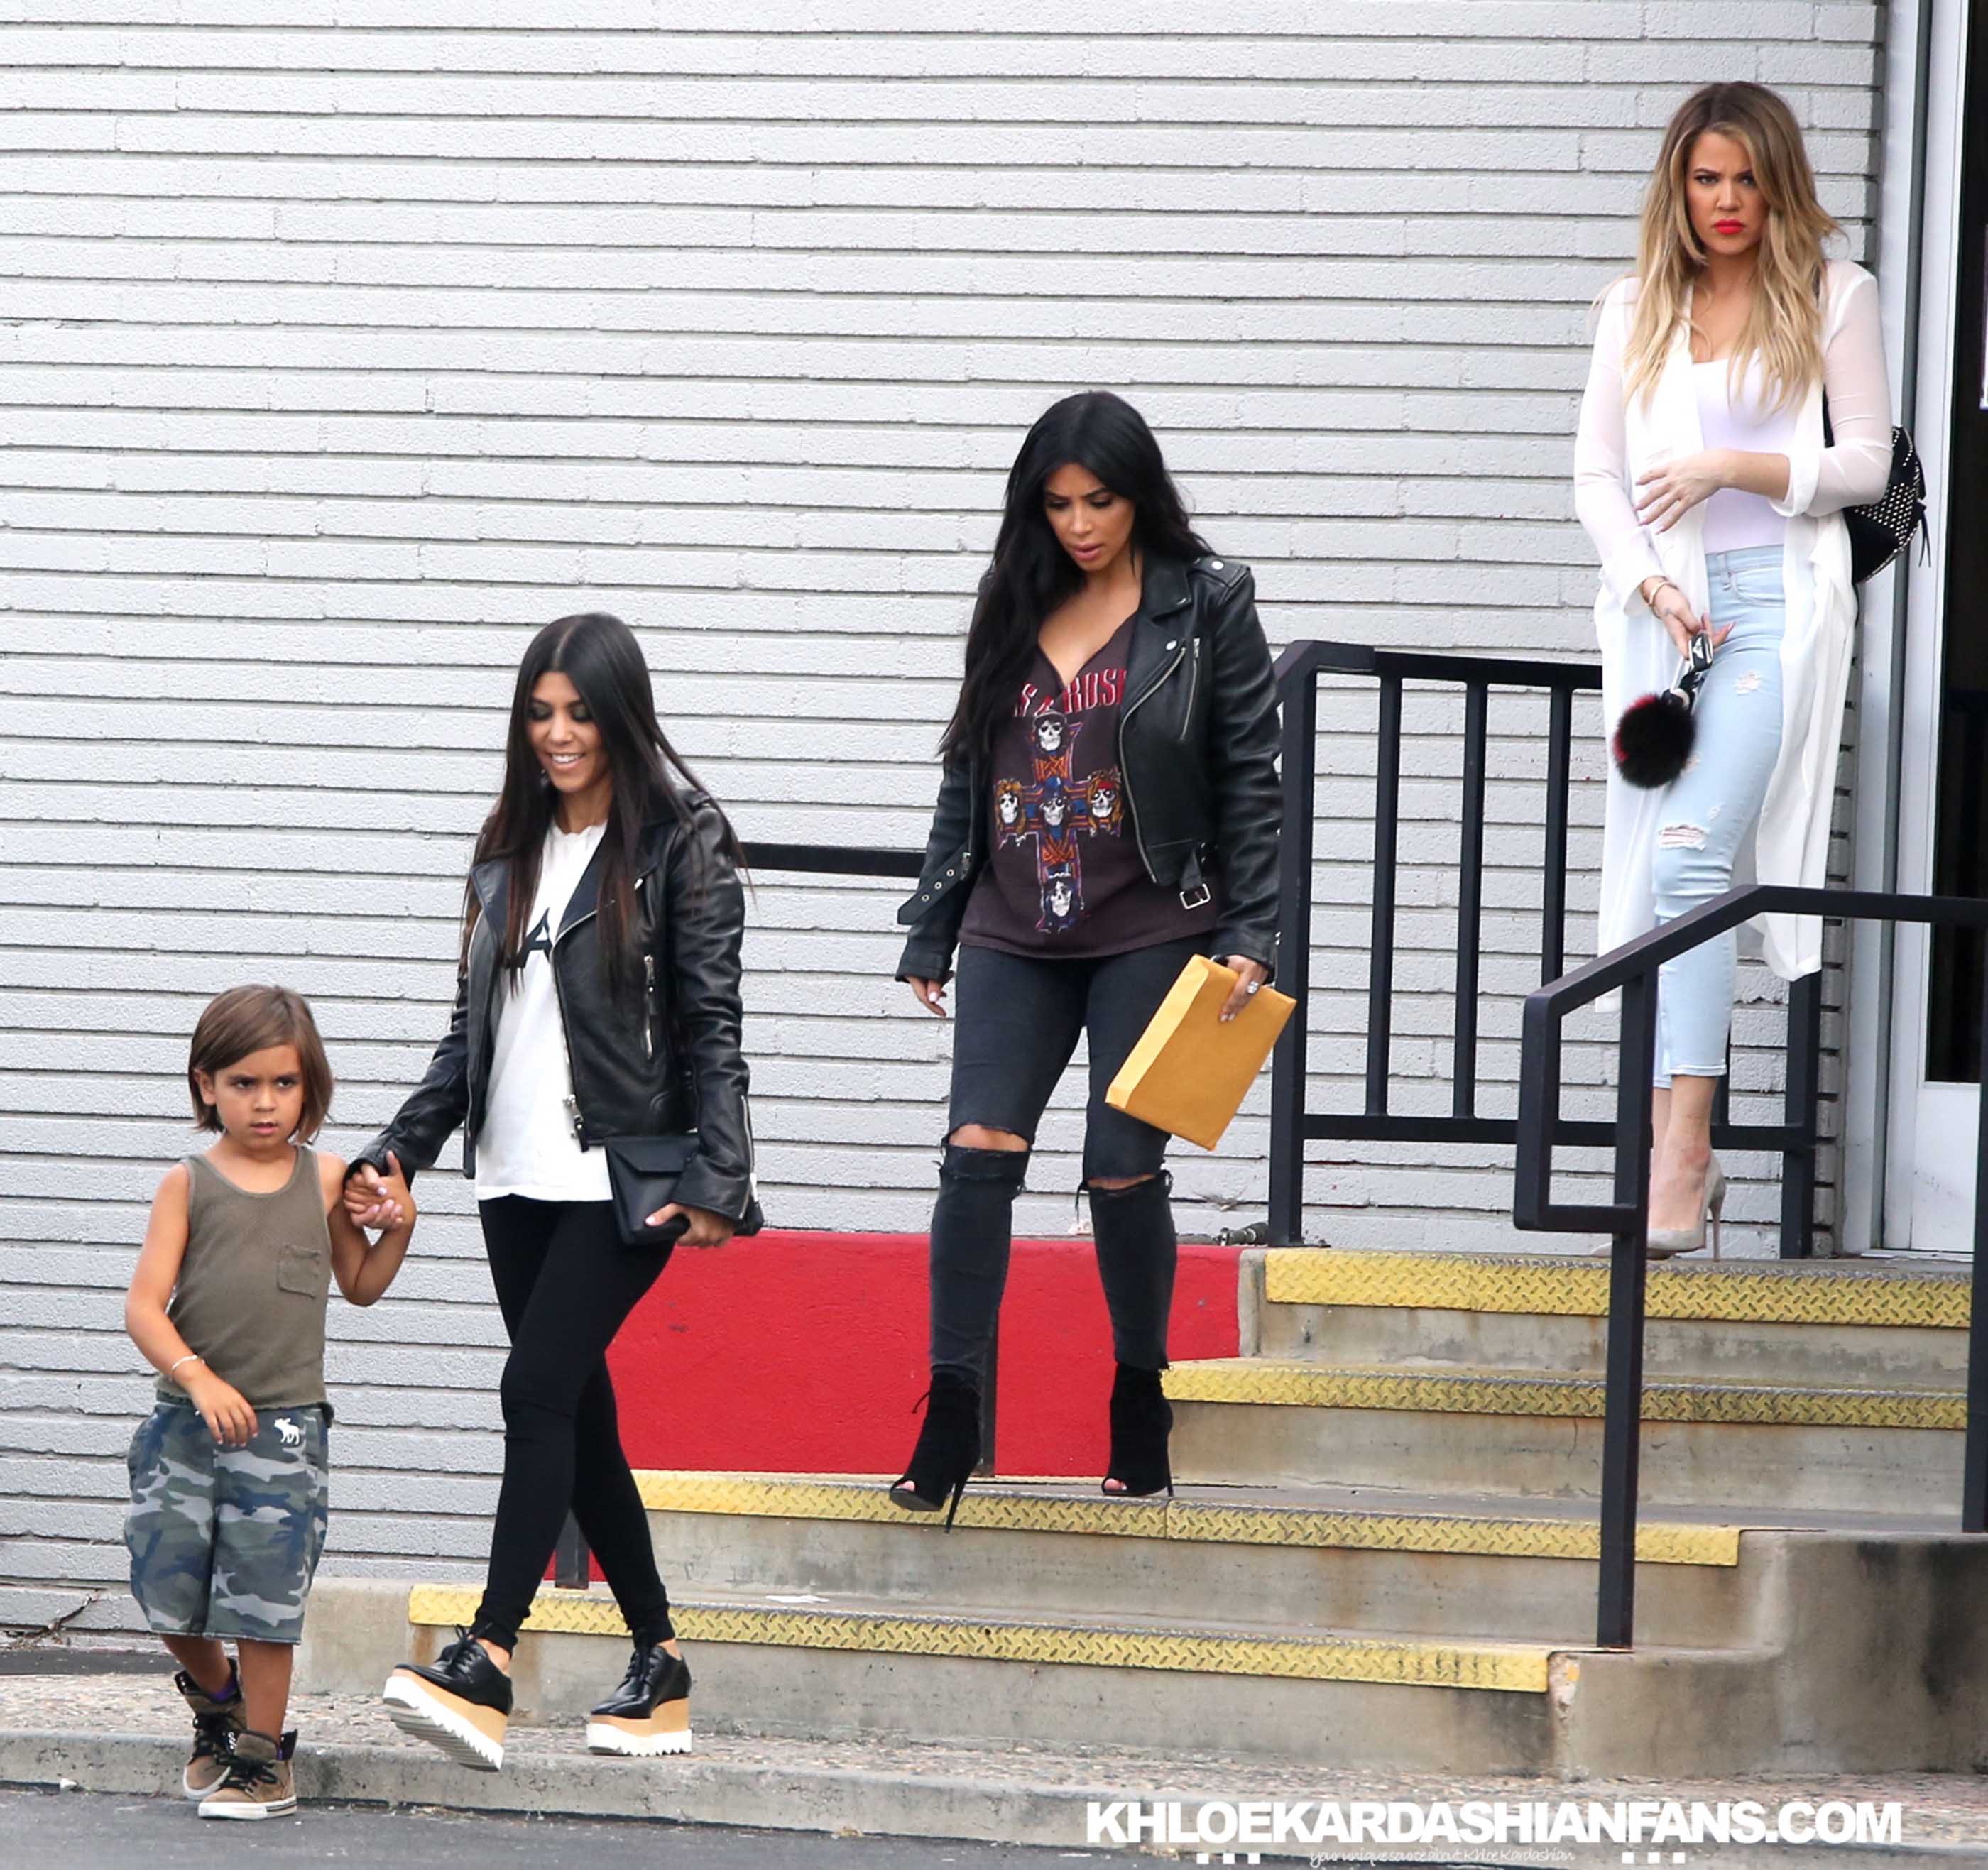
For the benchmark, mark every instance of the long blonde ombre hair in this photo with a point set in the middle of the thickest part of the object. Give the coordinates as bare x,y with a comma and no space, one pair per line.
1784,328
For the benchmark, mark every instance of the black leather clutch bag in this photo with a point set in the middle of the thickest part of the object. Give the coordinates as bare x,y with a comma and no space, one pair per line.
642,1173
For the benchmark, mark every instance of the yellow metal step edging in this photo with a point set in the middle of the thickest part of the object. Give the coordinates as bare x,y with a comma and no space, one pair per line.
1406,1662
1574,1288
1294,1385
800,1497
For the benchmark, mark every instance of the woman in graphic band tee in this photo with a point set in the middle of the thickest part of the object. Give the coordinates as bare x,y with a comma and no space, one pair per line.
599,997
1109,807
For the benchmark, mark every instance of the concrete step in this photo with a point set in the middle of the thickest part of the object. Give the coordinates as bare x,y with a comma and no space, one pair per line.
1863,1656
844,1668
1281,1421
1348,1559
1883,1326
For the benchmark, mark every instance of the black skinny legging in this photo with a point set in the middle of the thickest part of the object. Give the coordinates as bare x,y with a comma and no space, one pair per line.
565,1283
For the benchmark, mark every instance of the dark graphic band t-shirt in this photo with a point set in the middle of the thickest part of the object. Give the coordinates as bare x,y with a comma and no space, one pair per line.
1063,875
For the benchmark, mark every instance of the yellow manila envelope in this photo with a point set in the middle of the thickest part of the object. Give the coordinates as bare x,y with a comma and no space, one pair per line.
1189,1073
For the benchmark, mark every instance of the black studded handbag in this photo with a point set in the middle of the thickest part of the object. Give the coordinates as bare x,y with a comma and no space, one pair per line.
1880,532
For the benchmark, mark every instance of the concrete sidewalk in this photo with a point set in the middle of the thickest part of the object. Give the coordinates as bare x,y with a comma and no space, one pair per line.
121,1732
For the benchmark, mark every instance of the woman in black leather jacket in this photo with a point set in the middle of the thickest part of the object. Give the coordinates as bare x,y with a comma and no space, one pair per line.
598,997
1109,807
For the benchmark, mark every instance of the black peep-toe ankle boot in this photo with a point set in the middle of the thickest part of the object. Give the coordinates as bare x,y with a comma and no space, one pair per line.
948,1448
1142,1420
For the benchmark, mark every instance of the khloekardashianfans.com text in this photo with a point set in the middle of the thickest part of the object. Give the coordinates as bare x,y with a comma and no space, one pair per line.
1674,1826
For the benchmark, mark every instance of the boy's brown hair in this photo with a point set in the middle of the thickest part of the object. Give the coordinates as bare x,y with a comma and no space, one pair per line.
246,1019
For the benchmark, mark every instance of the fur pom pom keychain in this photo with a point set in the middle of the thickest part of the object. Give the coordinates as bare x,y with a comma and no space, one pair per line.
1653,740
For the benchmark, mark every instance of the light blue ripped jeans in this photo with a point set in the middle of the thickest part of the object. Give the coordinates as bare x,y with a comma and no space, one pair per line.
1711,805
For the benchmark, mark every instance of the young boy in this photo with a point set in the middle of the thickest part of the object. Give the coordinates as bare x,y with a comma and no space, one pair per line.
228,1472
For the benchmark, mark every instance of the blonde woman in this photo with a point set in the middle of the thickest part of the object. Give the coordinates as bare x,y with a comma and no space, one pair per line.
1703,478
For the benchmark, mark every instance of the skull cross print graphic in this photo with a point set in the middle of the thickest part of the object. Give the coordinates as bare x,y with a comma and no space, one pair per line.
1064,874
1056,807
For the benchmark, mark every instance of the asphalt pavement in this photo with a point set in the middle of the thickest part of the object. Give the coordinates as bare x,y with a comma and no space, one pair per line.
90,1831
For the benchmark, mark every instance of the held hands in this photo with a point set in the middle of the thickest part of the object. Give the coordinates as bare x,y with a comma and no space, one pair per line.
1666,494
222,1407
703,1228
378,1201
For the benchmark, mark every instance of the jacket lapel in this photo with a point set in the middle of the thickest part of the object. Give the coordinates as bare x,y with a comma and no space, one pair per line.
585,897
491,881
1163,593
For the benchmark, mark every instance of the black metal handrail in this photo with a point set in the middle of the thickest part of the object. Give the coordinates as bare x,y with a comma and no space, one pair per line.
1293,1122
1632,969
834,860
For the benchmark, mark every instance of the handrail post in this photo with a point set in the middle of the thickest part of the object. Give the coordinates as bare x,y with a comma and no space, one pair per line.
1553,878
1974,1456
1800,1113
1288,1088
573,1563
1469,899
1387,841
1628,1273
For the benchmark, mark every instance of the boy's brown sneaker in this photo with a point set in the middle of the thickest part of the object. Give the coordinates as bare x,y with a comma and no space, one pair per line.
215,1724
259,1784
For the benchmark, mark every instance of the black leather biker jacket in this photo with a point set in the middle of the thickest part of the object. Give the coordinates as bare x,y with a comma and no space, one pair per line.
1198,749
672,1065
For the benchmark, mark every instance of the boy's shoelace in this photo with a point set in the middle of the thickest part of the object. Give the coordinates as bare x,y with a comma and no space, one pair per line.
210,1736
244,1773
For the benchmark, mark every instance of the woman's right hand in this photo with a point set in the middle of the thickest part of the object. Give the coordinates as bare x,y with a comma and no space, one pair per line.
931,993
222,1407
1671,608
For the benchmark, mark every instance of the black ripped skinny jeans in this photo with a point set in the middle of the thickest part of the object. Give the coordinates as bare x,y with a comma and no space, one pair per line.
565,1282
1016,1021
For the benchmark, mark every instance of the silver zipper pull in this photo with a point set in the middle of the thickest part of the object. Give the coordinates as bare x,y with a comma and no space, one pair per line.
649,1006
573,1114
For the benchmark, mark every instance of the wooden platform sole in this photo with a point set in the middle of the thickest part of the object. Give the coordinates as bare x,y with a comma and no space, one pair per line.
470,1735
636,1736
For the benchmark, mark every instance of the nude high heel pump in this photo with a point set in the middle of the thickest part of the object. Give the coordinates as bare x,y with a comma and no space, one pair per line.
1667,1243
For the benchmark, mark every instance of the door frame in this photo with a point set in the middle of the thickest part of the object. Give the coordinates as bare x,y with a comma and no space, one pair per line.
1931,1130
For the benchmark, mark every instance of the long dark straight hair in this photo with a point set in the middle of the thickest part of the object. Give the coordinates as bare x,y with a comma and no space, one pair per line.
598,654
1031,574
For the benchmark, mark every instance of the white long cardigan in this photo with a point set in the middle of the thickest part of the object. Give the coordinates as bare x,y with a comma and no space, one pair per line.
1621,439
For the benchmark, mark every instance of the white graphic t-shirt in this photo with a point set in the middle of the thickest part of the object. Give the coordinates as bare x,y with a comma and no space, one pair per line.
527,1146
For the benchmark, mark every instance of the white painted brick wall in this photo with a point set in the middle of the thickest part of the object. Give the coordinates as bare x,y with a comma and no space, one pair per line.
343,342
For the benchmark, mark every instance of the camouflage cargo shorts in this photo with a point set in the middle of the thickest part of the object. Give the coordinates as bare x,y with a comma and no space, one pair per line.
224,1540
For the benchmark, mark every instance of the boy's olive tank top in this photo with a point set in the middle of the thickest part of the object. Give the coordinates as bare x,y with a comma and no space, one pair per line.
254,1284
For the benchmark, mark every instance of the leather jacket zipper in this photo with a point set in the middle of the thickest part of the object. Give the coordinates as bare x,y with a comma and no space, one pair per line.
566,1032
1124,769
649,1006
565,1039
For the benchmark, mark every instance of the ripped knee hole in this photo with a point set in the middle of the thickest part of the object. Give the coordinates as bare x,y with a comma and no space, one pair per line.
988,1138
